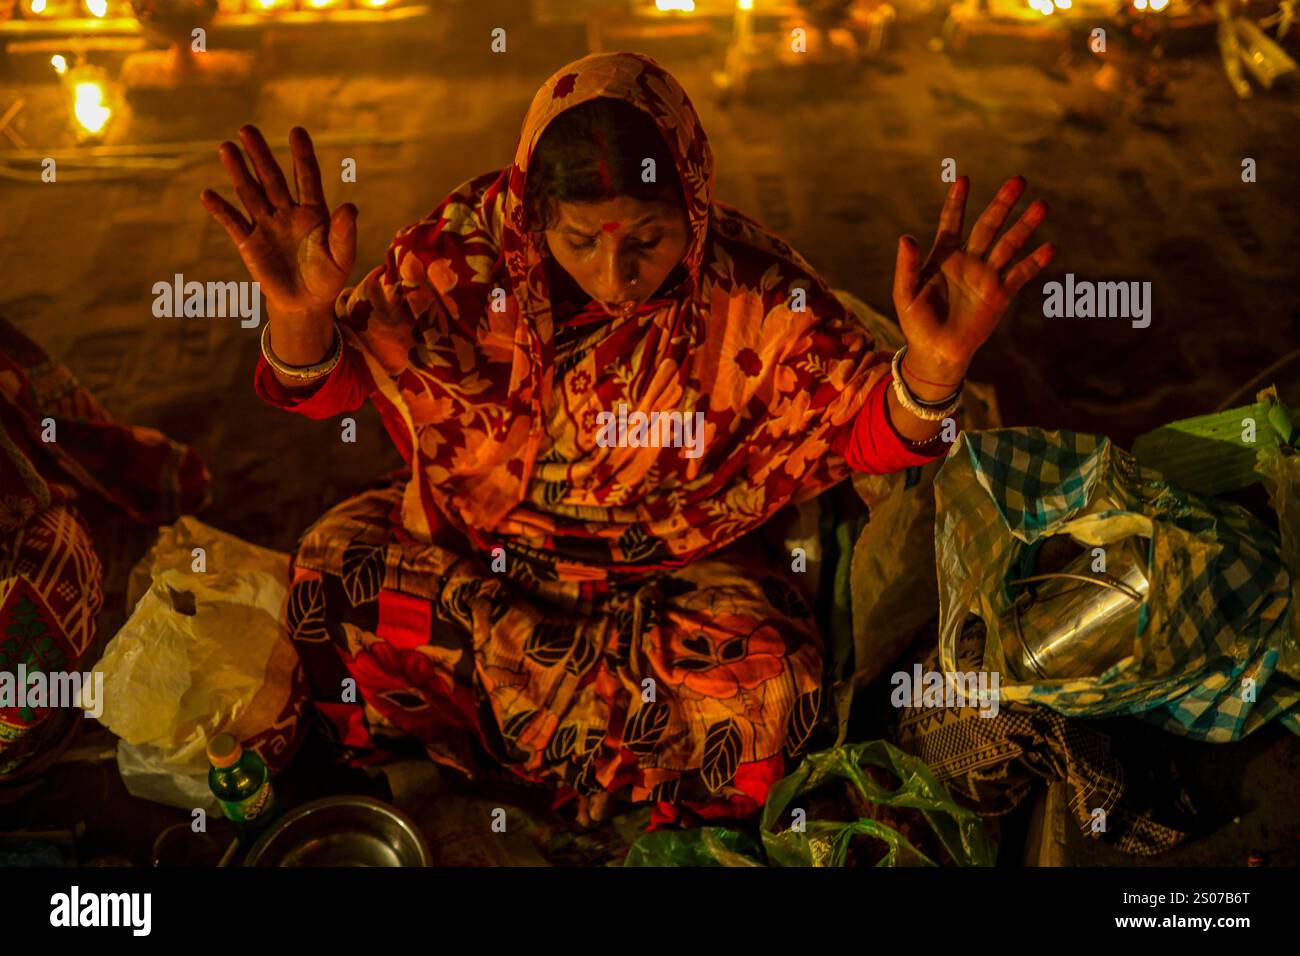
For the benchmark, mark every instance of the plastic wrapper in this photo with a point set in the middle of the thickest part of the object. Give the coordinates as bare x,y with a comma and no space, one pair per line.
880,778
202,653
705,846
1205,645
855,805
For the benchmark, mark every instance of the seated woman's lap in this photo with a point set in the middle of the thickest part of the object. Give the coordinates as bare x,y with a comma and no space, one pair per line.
689,690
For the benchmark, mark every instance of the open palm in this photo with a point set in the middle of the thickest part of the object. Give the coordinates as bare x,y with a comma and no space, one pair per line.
295,250
950,304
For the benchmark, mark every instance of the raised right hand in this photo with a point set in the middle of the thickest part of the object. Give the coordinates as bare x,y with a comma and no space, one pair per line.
298,252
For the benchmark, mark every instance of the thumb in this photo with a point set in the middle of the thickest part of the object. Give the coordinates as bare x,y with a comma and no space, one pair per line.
907,271
343,236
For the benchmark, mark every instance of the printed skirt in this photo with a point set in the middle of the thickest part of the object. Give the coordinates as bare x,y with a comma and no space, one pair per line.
689,690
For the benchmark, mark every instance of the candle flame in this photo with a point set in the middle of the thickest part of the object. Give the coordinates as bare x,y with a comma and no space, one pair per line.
88,106
59,63
97,7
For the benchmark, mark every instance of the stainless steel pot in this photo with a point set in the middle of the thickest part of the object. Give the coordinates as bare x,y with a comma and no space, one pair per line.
341,831
1077,622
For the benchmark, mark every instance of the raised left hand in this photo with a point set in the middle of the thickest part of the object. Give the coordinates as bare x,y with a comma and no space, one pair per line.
949,305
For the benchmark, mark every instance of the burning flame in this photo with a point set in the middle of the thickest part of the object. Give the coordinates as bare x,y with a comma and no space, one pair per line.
97,7
376,4
59,63
745,4
38,6
1156,5
88,106
681,6
321,4
1048,7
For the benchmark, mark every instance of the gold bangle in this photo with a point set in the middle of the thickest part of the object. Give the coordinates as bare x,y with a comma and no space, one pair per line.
302,374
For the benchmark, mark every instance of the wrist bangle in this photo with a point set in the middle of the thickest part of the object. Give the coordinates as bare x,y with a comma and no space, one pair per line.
928,411
302,374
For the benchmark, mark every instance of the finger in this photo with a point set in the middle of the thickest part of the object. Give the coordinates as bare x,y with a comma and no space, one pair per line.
236,225
991,220
343,236
268,170
1029,267
907,271
951,219
306,170
248,189
1006,248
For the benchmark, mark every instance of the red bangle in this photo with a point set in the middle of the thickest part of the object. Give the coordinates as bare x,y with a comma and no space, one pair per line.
926,381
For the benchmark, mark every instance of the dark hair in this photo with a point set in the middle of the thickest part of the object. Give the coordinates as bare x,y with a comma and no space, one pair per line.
595,151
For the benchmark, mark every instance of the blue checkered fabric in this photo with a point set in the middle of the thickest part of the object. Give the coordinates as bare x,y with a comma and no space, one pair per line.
1205,652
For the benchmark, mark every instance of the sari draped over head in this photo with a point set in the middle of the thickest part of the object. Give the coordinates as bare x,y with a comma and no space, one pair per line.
502,428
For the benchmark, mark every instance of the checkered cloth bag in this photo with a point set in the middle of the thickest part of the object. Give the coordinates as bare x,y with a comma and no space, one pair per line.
1209,632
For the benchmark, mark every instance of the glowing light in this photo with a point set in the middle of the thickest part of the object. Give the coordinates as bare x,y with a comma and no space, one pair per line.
59,63
745,4
679,6
1044,7
38,6
1140,4
97,7
1159,4
376,4
321,4
88,106
1064,4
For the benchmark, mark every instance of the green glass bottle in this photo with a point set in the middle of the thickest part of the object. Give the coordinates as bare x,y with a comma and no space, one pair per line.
242,785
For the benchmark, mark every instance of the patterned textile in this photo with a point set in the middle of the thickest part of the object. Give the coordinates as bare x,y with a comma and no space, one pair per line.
1218,597
690,689
994,763
590,616
55,443
501,431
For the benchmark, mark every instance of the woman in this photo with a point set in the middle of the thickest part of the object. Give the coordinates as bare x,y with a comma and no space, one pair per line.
533,593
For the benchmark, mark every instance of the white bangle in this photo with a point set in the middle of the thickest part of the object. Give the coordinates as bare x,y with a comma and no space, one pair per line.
927,412
303,374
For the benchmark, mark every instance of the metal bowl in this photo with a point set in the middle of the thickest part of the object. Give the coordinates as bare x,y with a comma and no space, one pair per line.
341,831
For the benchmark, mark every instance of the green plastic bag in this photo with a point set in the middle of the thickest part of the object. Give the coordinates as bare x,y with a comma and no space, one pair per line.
705,846
827,842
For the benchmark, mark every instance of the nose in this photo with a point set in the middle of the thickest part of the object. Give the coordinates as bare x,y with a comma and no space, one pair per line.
618,277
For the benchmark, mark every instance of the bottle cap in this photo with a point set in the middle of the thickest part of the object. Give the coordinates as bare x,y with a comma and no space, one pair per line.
224,750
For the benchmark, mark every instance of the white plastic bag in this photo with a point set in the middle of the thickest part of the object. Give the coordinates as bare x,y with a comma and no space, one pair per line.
203,653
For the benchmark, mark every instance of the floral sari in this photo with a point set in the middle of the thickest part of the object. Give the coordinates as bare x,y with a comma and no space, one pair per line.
579,612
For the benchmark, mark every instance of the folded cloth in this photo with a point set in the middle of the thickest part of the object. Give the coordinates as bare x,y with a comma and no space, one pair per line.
993,763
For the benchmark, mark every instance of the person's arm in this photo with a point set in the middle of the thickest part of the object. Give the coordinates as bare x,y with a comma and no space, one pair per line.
876,444
341,390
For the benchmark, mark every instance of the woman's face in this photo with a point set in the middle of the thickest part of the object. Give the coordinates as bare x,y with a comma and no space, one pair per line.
619,251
